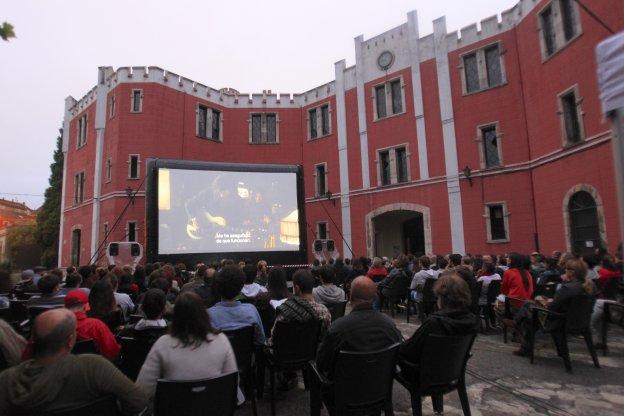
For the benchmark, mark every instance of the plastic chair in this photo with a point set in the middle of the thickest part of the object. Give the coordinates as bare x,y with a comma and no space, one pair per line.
511,304
103,406
337,310
440,369
362,383
133,354
18,310
575,321
294,346
134,318
608,318
85,346
207,397
34,311
427,304
548,290
242,342
486,312
610,289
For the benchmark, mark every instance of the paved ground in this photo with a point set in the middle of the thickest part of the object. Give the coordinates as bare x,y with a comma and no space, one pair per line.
500,383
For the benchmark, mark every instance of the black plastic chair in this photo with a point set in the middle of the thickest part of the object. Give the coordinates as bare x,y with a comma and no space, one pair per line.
85,346
610,289
609,318
133,354
34,311
427,304
208,397
548,290
576,321
486,312
242,342
511,305
337,310
440,369
103,406
293,347
361,383
134,318
18,310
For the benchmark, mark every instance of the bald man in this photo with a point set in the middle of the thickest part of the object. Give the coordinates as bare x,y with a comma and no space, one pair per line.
364,329
55,379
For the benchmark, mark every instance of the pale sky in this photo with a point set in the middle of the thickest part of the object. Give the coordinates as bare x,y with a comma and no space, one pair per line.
286,46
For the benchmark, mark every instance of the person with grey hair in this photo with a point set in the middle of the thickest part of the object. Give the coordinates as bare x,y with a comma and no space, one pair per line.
54,379
378,272
27,284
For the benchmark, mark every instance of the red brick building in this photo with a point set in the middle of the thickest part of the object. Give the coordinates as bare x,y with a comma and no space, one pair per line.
485,140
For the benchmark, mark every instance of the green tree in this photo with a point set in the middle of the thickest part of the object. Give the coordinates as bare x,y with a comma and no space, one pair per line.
22,246
49,215
6,31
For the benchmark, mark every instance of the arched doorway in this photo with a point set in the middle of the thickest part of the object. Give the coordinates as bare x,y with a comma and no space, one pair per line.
584,222
398,228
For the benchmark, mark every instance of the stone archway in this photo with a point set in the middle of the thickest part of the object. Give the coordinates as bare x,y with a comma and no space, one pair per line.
599,210
398,207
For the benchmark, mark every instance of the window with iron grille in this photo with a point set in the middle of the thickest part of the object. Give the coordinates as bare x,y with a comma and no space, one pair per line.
497,222
559,23
312,115
389,98
133,167
109,169
263,129
208,123
137,101
82,131
572,127
491,155
400,156
79,182
482,69
384,164
320,172
132,231
321,232
548,30
325,122
567,18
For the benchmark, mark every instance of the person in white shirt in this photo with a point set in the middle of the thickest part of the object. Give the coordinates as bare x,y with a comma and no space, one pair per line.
251,289
123,300
489,275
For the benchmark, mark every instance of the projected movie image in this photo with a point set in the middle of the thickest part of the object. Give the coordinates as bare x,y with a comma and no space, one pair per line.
205,211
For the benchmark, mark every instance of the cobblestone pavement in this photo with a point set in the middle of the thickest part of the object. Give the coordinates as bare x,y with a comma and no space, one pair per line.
500,383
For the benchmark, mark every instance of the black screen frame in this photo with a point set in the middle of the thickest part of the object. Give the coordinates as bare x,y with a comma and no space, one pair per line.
190,259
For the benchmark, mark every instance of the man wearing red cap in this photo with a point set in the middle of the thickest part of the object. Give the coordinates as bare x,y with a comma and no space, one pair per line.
77,301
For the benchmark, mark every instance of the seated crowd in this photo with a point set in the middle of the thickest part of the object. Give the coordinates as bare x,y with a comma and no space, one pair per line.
180,315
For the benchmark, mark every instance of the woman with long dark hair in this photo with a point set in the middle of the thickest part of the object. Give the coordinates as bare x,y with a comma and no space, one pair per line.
192,350
517,281
102,304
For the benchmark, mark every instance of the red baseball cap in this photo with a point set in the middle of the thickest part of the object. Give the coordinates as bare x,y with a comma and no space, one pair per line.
77,297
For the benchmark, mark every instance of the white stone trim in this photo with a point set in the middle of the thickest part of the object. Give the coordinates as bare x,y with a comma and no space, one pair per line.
362,122
419,110
565,142
488,225
399,206
394,180
448,135
602,227
343,157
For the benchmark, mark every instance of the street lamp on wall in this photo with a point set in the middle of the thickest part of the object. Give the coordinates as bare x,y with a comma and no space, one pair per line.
129,193
468,174
329,195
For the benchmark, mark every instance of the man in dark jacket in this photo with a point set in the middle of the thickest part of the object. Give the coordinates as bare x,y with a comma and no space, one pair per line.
363,330
56,379
452,318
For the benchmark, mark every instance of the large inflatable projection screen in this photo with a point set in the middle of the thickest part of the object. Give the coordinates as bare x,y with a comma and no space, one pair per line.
212,211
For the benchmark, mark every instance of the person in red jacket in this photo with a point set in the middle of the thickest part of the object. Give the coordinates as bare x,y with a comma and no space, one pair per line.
517,281
378,272
77,301
607,272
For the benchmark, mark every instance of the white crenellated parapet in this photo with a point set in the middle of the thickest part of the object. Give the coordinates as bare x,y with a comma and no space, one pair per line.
394,40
